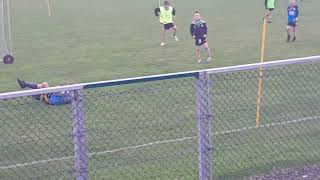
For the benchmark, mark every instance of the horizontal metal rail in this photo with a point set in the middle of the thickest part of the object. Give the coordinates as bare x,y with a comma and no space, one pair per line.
230,69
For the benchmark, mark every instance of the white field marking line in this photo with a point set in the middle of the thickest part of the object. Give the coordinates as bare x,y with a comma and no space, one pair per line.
161,142
97,153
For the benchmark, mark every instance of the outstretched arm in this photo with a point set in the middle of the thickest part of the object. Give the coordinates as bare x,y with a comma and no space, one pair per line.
157,11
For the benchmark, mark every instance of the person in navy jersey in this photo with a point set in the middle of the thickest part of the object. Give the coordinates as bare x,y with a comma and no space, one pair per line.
293,14
199,31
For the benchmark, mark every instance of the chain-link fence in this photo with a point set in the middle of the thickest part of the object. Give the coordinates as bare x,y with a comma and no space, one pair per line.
194,125
35,140
142,132
289,132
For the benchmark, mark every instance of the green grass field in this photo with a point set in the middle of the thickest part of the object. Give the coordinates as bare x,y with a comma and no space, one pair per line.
85,41
101,40
149,131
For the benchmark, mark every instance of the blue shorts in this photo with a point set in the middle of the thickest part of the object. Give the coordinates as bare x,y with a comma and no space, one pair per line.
168,26
292,24
200,41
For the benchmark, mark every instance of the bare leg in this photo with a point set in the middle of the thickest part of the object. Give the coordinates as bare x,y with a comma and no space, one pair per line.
174,29
162,34
268,16
207,49
288,33
198,54
294,34
175,33
24,84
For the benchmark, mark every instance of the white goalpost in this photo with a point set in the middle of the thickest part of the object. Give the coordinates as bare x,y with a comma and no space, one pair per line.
49,6
6,52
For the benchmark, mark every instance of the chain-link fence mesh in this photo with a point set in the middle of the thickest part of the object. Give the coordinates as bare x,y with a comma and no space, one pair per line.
143,132
289,133
194,127
35,140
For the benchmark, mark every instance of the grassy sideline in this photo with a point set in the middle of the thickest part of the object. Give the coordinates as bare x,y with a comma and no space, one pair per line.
85,41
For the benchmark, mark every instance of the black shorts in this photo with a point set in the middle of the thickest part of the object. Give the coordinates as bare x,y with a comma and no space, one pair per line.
200,41
270,9
292,24
168,26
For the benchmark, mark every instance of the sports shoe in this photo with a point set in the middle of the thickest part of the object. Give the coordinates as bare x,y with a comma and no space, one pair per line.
209,59
21,83
162,44
199,60
176,38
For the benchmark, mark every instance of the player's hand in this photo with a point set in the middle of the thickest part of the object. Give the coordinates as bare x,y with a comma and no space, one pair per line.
205,37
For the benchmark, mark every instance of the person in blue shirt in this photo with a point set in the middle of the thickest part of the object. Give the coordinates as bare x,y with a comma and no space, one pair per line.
293,14
56,98
199,31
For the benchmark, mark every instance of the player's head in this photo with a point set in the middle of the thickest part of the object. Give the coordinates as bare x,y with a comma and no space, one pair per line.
292,2
196,16
166,4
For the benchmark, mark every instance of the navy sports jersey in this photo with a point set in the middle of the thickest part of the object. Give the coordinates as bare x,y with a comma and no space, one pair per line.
198,29
293,13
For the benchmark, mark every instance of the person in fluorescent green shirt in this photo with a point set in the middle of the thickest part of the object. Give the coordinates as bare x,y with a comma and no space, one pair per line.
166,14
270,6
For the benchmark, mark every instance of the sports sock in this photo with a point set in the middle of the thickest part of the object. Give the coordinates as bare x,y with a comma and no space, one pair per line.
288,38
30,85
208,52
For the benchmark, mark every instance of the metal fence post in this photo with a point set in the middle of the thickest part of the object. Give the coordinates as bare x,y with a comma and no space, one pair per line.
79,137
204,119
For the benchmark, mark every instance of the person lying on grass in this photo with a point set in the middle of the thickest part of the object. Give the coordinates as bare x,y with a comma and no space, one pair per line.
55,98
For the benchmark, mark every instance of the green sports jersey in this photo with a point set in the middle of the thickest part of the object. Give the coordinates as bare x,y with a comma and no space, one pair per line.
270,4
